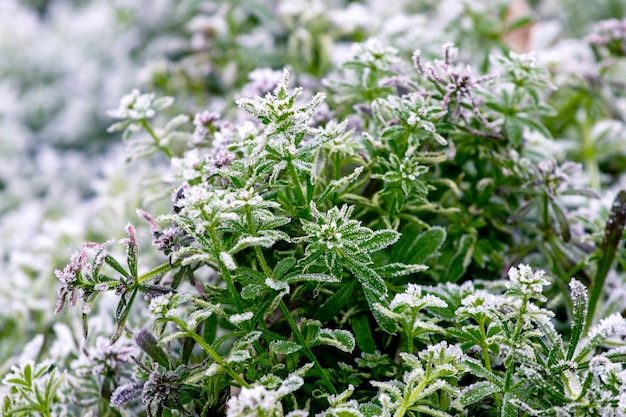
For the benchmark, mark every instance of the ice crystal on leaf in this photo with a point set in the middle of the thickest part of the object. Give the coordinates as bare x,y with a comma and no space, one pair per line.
277,110
611,326
523,280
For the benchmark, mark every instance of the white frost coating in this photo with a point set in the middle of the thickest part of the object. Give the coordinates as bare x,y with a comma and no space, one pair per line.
238,318
578,290
228,261
611,326
413,297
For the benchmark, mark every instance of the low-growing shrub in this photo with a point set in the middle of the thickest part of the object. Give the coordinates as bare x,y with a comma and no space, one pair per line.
405,243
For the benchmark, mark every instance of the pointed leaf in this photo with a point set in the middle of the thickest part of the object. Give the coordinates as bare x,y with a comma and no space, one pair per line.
337,302
284,347
416,250
477,392
341,339
461,259
310,277
476,368
121,320
579,314
380,240
612,237
399,269
368,278
508,408
283,266
363,333
562,220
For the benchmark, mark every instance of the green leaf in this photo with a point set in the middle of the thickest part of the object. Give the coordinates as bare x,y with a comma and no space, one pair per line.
341,339
173,336
274,223
363,333
399,269
368,278
477,392
508,408
412,250
285,347
310,277
579,314
476,368
283,266
112,262
251,241
562,220
121,319
534,125
380,240
461,259
149,344
340,183
338,301
612,237
513,130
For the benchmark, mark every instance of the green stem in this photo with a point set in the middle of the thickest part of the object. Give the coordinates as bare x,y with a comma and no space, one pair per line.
307,350
408,401
518,330
225,272
154,272
257,250
216,357
589,155
486,358
297,186
156,139
337,166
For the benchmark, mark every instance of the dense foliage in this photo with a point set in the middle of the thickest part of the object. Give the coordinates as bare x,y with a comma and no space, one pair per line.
431,225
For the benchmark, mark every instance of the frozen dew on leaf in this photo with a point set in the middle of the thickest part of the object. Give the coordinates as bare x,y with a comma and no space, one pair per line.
413,298
611,326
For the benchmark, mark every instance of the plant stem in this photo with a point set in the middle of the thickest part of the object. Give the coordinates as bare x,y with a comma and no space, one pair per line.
225,272
154,272
408,401
302,342
216,357
156,139
297,186
257,250
518,330
589,156
486,358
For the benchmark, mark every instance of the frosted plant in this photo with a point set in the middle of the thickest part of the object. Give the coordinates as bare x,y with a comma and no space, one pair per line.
341,256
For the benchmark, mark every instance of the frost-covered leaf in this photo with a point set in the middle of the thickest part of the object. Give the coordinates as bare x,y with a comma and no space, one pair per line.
477,392
341,339
398,269
285,347
310,277
579,314
380,240
240,355
251,241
